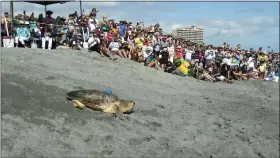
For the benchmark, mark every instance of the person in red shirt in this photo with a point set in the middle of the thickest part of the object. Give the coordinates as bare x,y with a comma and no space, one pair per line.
145,41
179,52
109,37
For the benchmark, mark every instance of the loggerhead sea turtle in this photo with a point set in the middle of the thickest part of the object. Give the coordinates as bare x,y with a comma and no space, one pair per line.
101,101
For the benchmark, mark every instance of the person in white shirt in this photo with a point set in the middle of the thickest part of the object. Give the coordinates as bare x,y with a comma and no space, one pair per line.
210,55
147,50
92,23
115,47
171,51
94,43
189,51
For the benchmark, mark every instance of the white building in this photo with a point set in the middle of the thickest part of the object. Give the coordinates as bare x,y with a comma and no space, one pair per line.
193,33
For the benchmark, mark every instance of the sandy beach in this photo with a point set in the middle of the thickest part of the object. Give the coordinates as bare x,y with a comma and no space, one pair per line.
174,116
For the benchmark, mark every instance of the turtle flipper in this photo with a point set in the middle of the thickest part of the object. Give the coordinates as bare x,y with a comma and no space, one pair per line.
78,104
115,111
120,115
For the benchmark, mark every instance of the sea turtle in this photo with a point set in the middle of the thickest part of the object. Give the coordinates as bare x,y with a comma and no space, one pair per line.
101,101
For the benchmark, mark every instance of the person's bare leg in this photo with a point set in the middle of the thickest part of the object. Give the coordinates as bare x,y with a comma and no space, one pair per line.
227,80
120,54
63,38
129,54
124,53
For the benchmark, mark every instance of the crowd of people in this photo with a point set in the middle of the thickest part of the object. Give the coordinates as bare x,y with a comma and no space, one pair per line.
147,45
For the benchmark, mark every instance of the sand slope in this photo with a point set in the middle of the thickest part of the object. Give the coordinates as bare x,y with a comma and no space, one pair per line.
174,116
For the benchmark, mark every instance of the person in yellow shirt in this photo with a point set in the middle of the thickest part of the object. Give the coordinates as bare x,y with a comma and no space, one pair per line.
184,67
262,57
139,41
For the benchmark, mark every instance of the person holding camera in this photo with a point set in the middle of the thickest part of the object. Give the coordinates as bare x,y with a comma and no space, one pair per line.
209,56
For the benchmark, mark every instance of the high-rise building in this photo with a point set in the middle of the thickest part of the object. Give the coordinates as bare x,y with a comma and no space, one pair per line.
193,33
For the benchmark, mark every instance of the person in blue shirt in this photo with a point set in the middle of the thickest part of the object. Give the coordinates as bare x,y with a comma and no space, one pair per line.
23,34
122,29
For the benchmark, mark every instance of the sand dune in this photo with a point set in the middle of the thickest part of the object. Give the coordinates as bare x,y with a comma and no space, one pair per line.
174,116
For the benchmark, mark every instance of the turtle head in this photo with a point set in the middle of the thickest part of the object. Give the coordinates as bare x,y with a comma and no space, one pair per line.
127,106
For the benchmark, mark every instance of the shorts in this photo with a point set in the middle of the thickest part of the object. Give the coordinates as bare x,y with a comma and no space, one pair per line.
221,78
71,28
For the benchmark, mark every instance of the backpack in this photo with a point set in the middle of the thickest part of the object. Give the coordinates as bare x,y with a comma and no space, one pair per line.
177,62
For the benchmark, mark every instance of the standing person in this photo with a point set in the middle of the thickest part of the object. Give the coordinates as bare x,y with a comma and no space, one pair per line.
105,26
115,30
5,21
171,51
109,38
32,24
209,56
71,23
94,12
123,29
49,19
189,51
92,22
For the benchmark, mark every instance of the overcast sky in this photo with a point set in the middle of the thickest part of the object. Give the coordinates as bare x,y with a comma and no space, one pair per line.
252,24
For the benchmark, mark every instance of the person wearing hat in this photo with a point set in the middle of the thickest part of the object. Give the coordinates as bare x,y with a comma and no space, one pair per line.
22,34
147,50
49,19
49,24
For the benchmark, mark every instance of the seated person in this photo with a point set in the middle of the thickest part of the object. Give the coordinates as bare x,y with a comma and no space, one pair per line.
125,50
63,31
151,61
170,67
38,32
207,74
77,41
23,35
237,74
178,62
94,43
115,47
134,54
271,75
49,35
147,51
217,75
184,67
